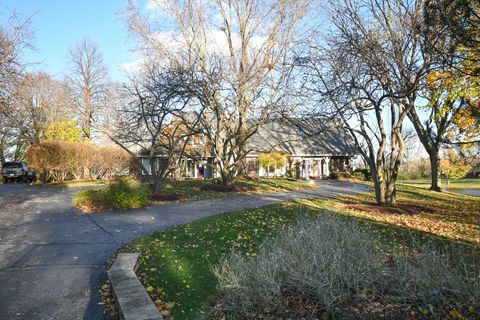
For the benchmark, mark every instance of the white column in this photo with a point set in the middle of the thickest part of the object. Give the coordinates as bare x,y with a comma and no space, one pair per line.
195,169
319,168
327,166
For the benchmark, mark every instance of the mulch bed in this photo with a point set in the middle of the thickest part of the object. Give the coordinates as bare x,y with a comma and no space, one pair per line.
165,196
399,209
229,188
293,306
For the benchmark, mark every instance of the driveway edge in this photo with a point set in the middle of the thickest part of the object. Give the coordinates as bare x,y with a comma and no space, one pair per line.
131,299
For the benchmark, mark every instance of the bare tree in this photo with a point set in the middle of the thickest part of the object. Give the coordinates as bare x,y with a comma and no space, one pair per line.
369,72
238,51
15,38
88,76
158,122
38,101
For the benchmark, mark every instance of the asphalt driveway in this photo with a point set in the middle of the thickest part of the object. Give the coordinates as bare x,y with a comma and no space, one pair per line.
52,256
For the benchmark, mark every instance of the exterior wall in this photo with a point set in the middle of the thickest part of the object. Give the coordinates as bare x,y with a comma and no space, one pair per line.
341,164
303,167
296,167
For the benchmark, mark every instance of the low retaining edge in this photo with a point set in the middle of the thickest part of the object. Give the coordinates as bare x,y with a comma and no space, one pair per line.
131,299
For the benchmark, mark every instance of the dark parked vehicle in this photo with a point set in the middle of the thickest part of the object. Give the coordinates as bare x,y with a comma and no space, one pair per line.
16,171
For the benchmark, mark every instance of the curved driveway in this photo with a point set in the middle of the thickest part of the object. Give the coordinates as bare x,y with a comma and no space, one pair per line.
52,257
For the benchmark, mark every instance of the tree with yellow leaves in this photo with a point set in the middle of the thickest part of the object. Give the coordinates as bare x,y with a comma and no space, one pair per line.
273,159
452,84
66,130
453,167
452,114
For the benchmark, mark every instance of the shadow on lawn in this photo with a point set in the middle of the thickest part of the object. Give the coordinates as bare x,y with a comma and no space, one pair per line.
183,259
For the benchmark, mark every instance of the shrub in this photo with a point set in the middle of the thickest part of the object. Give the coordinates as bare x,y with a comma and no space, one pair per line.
332,264
345,175
403,175
334,175
366,173
358,175
56,161
125,193
322,259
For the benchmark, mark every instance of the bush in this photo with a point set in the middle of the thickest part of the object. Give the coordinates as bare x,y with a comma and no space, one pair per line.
125,193
334,175
367,176
333,264
57,161
358,176
345,175
403,175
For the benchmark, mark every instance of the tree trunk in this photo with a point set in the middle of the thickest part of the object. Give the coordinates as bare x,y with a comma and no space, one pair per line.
391,194
227,178
157,185
435,166
430,145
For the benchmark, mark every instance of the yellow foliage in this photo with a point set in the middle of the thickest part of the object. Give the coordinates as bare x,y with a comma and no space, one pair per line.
453,167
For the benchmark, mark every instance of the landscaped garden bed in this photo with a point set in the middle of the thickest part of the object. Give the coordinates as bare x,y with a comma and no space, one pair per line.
128,193
125,193
191,270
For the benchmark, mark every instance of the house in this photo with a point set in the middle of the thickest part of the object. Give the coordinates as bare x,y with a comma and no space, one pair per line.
313,148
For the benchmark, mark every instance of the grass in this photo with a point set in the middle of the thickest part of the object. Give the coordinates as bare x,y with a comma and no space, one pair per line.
78,184
193,188
464,183
176,265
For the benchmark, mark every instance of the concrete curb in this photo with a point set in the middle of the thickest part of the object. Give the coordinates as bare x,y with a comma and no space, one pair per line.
133,302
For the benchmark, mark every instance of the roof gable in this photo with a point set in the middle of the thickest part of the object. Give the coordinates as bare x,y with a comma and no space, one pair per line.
312,136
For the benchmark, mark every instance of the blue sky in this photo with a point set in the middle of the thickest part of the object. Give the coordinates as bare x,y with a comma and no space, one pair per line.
60,24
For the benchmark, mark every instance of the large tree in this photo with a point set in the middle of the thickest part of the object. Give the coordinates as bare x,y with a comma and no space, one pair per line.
156,121
88,75
452,33
38,101
450,41
237,51
449,116
368,70
15,38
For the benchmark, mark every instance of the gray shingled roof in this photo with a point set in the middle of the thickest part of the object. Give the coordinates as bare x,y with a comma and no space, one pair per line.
302,137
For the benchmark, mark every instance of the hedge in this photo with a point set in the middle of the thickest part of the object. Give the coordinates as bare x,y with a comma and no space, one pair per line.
57,161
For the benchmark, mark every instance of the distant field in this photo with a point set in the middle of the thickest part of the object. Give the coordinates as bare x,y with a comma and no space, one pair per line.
454,184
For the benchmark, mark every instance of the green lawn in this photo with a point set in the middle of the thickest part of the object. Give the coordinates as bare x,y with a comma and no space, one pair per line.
77,184
192,188
175,265
464,183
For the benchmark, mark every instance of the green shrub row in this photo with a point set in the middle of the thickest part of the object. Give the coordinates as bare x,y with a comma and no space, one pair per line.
125,193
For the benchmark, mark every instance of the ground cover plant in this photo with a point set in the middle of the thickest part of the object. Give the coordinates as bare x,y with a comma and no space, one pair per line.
125,193
337,269
177,266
